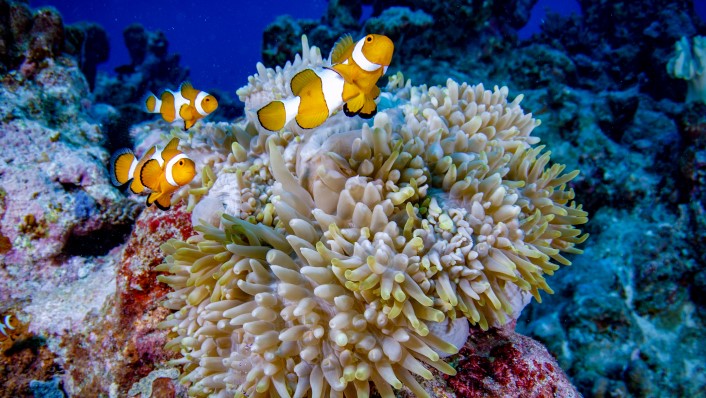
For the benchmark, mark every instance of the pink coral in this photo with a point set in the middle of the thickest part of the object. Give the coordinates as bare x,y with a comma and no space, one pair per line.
502,363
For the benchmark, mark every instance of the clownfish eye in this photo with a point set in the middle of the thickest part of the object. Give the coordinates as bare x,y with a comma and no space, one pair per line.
369,39
207,99
181,163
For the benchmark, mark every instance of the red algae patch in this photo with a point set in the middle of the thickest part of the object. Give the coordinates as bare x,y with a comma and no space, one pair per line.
502,363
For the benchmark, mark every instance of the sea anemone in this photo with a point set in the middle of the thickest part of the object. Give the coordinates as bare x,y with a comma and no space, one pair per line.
377,241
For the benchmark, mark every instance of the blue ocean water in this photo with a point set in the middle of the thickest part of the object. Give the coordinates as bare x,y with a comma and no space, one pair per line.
220,41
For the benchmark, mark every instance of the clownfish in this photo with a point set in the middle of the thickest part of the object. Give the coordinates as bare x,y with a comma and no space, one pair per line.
187,104
7,327
161,171
349,82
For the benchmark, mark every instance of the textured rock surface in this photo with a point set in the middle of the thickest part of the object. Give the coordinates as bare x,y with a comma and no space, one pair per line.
503,363
119,344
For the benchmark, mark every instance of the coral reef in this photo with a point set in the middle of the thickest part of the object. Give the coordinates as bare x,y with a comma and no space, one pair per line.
420,29
375,241
31,39
502,363
54,148
118,346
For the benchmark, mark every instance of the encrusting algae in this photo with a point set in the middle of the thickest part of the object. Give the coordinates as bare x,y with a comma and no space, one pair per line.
331,258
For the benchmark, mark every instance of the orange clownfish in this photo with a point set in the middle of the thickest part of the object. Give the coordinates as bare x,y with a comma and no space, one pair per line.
187,104
8,326
349,82
161,171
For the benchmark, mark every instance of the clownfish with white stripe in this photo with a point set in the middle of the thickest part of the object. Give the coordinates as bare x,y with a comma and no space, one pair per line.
350,83
187,104
8,326
162,171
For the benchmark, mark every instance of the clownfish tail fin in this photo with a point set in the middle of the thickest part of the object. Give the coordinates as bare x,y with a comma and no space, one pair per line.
273,116
150,174
152,103
120,165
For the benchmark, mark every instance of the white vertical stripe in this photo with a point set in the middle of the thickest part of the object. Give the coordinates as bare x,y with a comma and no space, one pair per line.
158,156
360,59
133,166
332,84
157,105
170,166
291,108
179,100
198,101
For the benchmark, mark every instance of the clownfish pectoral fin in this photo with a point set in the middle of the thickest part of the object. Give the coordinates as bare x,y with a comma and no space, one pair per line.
302,79
375,92
349,91
272,116
150,175
185,112
152,103
369,109
188,91
189,123
342,49
167,109
190,117
120,165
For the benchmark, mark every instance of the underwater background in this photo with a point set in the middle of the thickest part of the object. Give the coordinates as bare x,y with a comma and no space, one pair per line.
94,284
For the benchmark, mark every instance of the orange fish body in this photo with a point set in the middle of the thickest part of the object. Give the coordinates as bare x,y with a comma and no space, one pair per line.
350,82
186,104
162,172
361,65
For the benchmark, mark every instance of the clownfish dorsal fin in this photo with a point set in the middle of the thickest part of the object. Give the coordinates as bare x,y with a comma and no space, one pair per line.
188,91
301,79
172,145
150,175
340,50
